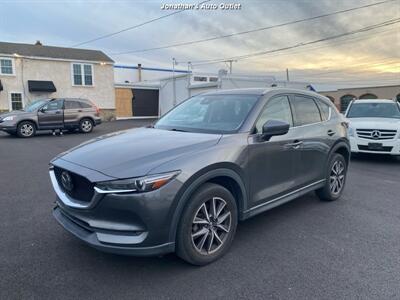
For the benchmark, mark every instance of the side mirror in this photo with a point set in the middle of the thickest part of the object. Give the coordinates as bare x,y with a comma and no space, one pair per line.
274,127
43,109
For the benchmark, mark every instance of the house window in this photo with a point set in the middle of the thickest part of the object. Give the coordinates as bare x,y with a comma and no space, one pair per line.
16,101
6,66
82,74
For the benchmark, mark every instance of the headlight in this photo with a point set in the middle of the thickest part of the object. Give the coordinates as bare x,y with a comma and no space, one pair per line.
9,118
135,185
351,131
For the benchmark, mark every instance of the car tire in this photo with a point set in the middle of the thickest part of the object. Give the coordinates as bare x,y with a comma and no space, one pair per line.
86,125
335,179
206,234
26,129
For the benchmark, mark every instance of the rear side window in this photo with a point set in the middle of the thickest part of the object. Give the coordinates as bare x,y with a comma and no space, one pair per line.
276,109
324,108
85,104
71,104
305,111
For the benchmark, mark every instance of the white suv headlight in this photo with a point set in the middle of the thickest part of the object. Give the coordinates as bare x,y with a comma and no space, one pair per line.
351,131
135,185
9,118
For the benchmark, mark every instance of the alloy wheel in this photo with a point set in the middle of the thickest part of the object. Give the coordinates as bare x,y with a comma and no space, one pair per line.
26,130
337,177
211,226
86,125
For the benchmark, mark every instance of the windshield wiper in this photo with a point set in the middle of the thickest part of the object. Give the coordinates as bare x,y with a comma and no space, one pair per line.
175,129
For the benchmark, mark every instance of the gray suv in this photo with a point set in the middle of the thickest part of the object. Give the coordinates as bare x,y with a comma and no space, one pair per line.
183,184
51,114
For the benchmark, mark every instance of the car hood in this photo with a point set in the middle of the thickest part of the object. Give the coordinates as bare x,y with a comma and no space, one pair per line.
136,152
375,123
13,113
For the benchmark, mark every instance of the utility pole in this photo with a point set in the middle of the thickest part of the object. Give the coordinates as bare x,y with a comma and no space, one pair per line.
189,75
173,81
287,74
230,65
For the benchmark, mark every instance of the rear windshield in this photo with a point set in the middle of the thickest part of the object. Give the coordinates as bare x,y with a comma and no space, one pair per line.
374,110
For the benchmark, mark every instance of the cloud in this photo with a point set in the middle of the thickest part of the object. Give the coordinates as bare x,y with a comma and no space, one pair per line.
64,23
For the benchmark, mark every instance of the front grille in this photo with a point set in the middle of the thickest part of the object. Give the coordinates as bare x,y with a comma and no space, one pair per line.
376,134
83,189
383,149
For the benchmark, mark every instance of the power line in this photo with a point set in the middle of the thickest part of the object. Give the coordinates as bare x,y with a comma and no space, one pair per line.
132,27
250,31
245,56
343,42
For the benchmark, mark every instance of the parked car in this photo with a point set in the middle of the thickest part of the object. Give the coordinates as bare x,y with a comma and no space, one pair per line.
51,114
183,184
374,126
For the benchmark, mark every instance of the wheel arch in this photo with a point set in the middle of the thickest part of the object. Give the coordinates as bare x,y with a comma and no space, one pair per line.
224,174
342,147
34,122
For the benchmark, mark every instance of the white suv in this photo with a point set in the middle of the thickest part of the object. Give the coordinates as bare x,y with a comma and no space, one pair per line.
374,126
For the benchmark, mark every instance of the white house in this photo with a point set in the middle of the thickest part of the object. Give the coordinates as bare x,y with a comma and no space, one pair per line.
33,71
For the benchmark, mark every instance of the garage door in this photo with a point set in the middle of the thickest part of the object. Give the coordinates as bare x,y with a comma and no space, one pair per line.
145,103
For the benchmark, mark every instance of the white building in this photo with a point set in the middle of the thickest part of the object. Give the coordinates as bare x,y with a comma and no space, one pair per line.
154,94
29,72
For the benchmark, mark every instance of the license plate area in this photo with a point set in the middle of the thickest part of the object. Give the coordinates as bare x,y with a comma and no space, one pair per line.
375,146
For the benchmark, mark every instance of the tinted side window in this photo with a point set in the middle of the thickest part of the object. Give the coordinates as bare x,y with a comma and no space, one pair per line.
305,111
71,104
276,109
85,104
54,105
324,109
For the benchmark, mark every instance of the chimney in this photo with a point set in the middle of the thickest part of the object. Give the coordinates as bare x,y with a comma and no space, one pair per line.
139,68
38,43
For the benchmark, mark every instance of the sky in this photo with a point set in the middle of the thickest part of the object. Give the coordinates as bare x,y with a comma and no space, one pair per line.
367,58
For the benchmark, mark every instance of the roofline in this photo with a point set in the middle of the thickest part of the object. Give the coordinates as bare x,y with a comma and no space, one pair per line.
151,69
360,87
56,59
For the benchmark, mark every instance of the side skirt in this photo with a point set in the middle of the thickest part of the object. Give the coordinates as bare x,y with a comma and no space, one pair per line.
282,199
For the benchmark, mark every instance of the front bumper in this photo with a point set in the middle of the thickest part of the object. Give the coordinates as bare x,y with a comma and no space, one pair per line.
109,242
131,224
389,147
8,126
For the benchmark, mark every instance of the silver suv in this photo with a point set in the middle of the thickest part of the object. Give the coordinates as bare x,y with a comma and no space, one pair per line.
183,184
51,114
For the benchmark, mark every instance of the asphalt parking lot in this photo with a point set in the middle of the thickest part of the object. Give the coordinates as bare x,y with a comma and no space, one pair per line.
306,249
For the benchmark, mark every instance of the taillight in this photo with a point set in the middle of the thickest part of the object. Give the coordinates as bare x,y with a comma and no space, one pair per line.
96,108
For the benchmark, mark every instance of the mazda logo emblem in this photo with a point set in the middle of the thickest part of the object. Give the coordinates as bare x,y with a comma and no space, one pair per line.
376,134
66,181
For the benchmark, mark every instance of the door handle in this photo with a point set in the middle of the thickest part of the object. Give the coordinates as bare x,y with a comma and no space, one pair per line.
79,110
331,132
295,145
58,112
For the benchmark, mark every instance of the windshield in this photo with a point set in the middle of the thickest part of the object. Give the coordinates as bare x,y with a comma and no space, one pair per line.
209,113
35,105
374,110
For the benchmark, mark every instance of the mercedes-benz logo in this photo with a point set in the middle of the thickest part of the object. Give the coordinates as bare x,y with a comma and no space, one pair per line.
66,181
376,134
